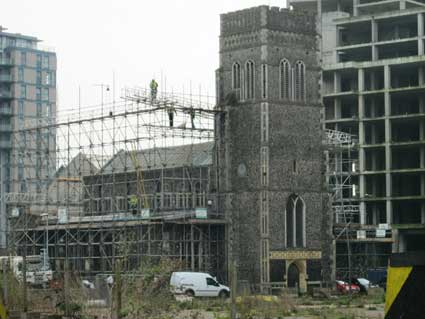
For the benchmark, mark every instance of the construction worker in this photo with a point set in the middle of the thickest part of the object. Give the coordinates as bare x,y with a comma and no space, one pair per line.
132,203
191,113
170,109
154,89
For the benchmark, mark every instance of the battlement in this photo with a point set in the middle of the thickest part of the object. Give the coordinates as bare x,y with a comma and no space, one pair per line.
265,17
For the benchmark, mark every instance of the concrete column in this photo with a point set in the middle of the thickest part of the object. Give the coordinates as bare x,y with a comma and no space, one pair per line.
374,216
402,4
3,213
362,213
360,79
362,179
338,5
421,75
372,106
388,185
373,160
423,213
387,77
337,108
374,30
337,82
355,9
422,148
395,239
374,36
389,209
420,33
373,133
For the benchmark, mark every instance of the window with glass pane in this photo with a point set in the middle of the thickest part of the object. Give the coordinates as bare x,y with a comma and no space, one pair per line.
45,61
47,110
23,58
23,91
45,94
38,93
38,109
38,77
21,74
21,110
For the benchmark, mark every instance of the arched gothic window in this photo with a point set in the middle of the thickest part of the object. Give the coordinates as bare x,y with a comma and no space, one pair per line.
236,76
295,222
236,79
299,81
249,80
285,80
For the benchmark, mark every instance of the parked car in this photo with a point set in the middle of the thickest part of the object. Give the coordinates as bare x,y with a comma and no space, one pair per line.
363,284
344,288
197,284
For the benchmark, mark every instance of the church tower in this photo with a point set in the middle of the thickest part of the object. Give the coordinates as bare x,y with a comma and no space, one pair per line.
269,146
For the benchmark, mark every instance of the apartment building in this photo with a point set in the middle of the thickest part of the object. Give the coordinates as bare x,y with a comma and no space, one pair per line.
27,98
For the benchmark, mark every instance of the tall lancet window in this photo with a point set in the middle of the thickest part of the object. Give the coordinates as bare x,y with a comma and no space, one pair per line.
295,222
285,80
299,81
249,80
236,79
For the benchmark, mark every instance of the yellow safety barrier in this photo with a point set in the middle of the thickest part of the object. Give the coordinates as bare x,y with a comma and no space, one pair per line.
405,296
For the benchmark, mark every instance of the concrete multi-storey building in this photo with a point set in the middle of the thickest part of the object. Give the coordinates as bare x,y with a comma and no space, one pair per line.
269,146
373,87
27,98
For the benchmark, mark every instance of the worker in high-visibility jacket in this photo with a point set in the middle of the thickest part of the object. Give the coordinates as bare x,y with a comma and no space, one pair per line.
133,203
154,89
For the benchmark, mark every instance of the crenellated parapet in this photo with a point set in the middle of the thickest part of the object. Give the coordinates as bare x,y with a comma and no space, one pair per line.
265,17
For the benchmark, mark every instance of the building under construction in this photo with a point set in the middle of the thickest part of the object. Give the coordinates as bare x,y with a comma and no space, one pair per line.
129,185
373,88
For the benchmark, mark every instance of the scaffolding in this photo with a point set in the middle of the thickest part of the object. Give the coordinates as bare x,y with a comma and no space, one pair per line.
118,181
341,166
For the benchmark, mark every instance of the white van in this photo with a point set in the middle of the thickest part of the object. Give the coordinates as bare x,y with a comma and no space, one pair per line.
197,284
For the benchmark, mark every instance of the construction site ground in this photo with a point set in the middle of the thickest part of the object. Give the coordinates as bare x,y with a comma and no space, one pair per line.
44,304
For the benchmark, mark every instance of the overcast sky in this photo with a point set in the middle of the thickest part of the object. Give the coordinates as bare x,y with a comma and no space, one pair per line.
136,39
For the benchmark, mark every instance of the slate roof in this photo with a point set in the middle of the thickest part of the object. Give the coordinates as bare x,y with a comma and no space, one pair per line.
196,155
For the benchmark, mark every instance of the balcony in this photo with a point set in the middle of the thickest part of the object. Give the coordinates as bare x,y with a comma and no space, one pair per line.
5,61
5,111
5,78
5,95
5,144
5,127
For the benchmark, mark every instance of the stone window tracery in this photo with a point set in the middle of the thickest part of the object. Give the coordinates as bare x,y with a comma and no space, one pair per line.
299,76
236,79
285,80
249,80
295,222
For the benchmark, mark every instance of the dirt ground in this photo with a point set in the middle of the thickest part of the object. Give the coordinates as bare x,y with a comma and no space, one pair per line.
336,307
249,307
